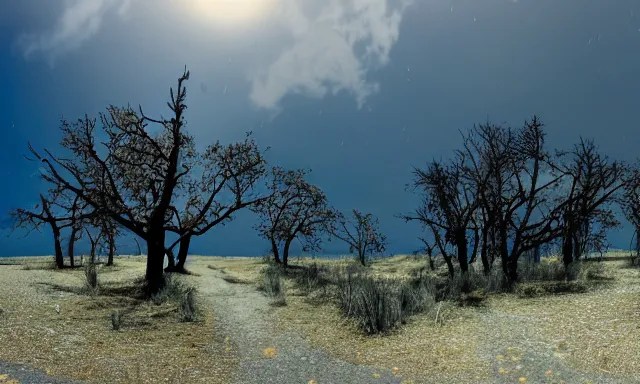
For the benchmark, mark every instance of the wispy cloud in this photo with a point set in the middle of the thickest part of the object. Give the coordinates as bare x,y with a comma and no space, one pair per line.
80,20
334,44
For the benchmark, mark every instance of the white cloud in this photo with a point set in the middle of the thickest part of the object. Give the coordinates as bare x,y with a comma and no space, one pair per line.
334,44
80,20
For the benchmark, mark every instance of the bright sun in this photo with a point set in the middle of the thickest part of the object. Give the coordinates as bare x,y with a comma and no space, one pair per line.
229,12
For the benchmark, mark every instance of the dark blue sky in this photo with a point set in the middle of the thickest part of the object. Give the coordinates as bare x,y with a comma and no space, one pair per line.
357,90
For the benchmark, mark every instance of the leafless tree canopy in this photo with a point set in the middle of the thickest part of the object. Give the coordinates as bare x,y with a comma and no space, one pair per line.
227,183
507,194
130,175
503,195
361,232
594,181
294,209
631,203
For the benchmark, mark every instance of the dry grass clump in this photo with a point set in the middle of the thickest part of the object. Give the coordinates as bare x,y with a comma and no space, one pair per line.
91,277
272,285
380,305
188,309
422,350
152,344
116,320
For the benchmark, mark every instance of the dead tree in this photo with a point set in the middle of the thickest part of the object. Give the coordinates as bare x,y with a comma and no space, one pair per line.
489,149
428,249
515,178
594,183
449,203
361,233
42,214
131,177
227,185
294,209
77,216
75,236
630,204
106,231
94,240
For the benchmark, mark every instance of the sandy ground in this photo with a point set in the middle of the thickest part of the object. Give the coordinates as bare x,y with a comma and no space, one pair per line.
269,356
578,338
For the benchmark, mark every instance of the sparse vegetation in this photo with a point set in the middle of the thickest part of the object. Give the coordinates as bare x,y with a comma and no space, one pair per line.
91,276
116,320
173,289
273,286
501,199
188,308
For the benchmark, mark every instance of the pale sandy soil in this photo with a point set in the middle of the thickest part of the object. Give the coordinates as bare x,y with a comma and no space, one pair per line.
577,338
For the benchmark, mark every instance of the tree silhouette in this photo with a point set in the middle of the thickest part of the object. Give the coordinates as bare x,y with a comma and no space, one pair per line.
361,233
294,209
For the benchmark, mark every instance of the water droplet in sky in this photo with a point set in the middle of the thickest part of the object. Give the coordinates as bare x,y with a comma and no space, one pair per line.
342,143
591,38
320,112
261,123
474,19
452,8
408,69
599,37
224,91
203,87
404,128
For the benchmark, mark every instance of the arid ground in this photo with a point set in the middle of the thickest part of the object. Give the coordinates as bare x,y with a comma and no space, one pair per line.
51,324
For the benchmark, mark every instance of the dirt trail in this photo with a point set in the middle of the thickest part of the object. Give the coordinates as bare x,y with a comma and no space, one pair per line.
244,315
526,354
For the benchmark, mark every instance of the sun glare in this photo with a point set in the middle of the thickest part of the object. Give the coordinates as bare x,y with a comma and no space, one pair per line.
228,12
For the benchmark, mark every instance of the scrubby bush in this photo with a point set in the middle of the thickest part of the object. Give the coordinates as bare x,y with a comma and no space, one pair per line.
91,276
273,286
175,291
311,278
116,320
171,289
379,305
374,303
590,270
416,297
547,270
188,308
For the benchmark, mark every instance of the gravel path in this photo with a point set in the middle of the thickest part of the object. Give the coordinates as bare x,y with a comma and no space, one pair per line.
24,375
526,354
243,314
